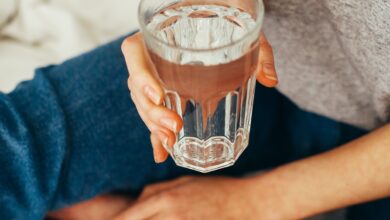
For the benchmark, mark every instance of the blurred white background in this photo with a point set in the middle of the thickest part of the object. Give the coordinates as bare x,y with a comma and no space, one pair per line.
35,33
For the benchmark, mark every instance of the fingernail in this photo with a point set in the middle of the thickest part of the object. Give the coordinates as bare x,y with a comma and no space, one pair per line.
152,95
163,138
169,123
270,77
269,72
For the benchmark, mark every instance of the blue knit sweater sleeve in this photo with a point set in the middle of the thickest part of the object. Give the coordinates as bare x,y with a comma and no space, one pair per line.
69,134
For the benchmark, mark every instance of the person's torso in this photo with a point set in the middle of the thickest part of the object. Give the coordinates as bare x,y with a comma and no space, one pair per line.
333,56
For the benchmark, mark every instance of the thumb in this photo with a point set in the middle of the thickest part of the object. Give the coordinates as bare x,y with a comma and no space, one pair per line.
267,74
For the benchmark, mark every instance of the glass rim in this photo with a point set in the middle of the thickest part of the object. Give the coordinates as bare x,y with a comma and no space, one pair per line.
257,26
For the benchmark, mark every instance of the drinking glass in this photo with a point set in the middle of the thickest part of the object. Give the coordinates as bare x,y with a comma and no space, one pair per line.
205,53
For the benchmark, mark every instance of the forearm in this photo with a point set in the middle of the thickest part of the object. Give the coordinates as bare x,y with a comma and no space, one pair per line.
354,173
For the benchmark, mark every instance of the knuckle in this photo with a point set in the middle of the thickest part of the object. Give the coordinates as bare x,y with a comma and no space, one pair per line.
130,40
145,119
133,82
153,113
149,126
126,42
153,129
124,45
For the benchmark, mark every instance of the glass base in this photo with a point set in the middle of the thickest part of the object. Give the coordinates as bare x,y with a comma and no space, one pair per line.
209,155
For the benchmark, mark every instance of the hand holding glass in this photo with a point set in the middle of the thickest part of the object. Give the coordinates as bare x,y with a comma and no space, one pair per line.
206,54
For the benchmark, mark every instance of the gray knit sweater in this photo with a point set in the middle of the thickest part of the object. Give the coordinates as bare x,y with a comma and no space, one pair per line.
333,56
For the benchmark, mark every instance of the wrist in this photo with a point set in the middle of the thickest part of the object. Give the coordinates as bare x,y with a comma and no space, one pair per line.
265,197
272,195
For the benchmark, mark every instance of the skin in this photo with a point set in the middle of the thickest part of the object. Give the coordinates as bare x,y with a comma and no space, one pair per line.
100,208
350,174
